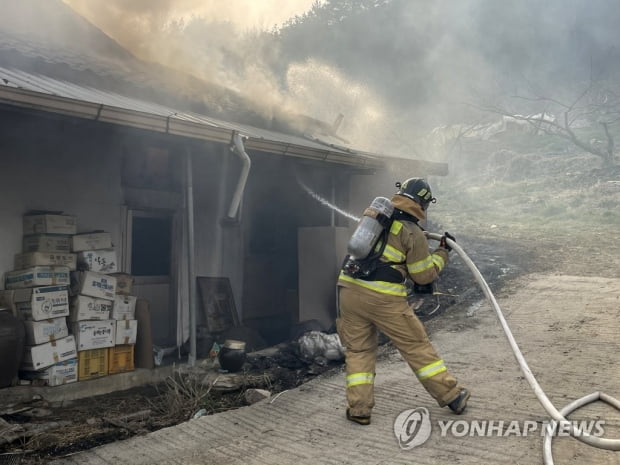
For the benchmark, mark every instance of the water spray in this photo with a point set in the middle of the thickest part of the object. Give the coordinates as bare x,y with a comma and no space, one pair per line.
559,416
326,202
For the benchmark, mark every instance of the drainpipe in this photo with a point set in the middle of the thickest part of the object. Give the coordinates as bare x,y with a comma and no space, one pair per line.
239,149
190,258
332,219
222,205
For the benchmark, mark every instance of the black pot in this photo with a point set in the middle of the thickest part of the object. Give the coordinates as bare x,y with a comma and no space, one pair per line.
232,355
12,343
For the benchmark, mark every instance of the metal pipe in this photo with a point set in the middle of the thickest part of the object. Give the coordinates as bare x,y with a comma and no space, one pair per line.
239,149
190,258
217,268
332,218
601,443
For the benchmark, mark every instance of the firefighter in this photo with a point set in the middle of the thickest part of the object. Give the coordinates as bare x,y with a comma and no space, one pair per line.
379,301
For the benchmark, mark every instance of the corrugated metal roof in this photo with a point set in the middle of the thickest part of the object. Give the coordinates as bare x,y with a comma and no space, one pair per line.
44,93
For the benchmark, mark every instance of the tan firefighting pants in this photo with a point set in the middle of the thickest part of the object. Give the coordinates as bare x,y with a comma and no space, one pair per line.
360,313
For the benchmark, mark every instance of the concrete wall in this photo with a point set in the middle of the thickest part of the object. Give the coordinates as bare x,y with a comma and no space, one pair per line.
58,164
219,247
321,252
43,171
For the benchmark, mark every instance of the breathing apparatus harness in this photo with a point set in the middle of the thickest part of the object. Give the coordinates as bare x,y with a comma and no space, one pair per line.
371,268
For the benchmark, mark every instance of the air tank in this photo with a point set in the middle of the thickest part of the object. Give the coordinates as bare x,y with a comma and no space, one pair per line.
369,228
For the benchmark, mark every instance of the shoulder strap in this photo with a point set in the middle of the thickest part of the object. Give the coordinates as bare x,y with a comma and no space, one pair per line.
401,215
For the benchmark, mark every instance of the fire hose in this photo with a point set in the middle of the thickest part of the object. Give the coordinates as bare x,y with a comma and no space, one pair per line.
559,416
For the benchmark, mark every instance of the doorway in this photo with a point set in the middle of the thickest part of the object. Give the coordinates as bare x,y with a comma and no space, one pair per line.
149,258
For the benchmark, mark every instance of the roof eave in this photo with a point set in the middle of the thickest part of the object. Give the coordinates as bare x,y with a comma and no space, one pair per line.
170,125
203,129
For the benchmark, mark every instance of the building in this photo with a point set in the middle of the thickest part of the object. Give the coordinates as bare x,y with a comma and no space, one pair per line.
188,187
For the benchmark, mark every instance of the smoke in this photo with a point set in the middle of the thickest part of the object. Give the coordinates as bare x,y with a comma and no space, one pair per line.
213,40
325,92
394,68
177,32
221,42
132,22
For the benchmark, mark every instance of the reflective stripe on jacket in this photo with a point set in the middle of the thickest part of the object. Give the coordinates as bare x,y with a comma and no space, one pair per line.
408,248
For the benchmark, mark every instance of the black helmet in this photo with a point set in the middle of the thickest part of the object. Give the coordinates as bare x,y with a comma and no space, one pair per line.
418,190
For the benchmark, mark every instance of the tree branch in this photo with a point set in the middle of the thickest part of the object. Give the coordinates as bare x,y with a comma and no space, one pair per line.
606,113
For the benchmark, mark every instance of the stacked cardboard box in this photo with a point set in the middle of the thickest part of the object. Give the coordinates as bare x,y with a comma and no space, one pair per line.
93,294
78,310
37,291
101,313
95,252
121,356
46,241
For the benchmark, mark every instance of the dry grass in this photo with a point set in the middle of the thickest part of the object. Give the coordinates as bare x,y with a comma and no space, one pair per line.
184,393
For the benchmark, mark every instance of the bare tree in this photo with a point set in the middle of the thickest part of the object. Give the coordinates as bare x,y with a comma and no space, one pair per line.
598,105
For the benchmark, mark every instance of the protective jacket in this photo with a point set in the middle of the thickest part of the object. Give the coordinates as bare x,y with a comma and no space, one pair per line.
366,305
406,253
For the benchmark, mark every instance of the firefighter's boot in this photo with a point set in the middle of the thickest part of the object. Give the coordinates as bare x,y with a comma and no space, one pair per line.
459,403
360,420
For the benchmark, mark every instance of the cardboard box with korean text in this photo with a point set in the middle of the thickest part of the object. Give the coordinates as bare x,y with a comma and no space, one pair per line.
30,259
49,224
46,243
124,307
38,303
94,334
124,283
91,241
100,261
90,283
45,355
38,276
58,374
126,332
83,307
40,332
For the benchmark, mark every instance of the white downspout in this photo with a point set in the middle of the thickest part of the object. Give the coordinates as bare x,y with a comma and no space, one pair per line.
239,149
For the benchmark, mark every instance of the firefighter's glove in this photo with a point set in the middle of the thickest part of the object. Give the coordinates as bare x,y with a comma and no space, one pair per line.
444,243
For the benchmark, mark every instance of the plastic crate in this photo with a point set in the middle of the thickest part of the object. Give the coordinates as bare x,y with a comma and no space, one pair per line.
92,364
121,358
